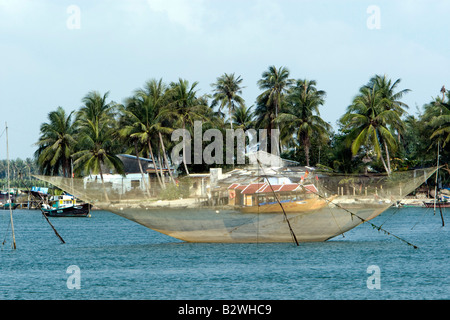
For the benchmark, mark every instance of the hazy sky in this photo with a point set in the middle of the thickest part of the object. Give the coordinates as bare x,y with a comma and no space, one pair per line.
54,52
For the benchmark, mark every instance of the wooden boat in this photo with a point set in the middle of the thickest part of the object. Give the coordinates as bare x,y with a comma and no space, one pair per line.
260,198
288,206
65,206
439,204
81,210
7,205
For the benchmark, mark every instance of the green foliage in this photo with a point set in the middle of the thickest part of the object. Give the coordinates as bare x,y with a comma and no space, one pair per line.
176,191
375,134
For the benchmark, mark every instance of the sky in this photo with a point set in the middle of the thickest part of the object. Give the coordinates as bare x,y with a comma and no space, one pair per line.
52,53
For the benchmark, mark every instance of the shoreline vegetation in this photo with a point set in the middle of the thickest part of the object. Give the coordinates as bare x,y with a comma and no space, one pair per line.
375,134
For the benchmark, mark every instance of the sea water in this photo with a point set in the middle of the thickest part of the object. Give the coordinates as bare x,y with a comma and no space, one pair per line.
108,257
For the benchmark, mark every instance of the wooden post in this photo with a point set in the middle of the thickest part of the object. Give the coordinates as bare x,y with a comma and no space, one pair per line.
8,190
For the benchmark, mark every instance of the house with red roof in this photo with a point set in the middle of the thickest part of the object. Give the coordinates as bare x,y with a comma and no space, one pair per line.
262,193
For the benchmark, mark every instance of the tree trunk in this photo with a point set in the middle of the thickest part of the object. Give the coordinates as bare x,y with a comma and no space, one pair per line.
154,163
229,115
165,157
161,169
388,160
184,148
103,183
147,189
384,164
306,145
66,168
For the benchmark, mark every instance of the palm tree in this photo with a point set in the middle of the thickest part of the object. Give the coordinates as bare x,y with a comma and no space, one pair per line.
96,143
367,121
95,107
387,91
440,121
301,117
158,96
276,84
184,107
135,147
243,118
56,143
227,91
141,114
390,101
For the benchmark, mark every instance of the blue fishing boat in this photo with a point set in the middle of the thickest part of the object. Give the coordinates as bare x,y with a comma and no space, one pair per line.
65,206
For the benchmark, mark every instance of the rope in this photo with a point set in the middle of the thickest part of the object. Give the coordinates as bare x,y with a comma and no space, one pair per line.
282,208
42,211
379,228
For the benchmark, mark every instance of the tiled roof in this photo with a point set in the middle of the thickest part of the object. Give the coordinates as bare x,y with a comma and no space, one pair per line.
252,188
289,187
311,188
269,188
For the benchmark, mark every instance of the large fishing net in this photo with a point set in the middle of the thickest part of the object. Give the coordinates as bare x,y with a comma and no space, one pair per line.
253,204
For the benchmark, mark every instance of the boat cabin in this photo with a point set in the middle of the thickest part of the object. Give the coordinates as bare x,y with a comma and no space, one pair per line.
62,201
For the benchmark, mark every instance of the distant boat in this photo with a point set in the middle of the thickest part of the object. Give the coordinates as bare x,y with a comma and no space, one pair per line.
65,206
6,200
439,204
6,206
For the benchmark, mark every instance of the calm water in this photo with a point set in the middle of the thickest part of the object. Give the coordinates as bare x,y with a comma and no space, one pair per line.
119,259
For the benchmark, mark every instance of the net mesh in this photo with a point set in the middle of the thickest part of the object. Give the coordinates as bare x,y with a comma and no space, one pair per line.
247,204
202,190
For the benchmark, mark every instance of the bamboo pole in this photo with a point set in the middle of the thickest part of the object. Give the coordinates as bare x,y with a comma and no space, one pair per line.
9,194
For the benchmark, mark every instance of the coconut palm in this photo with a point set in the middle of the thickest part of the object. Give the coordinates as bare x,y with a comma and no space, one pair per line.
244,118
97,148
184,107
440,119
144,120
387,90
300,115
368,123
56,143
275,84
227,91
141,114
390,101
133,143
157,91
